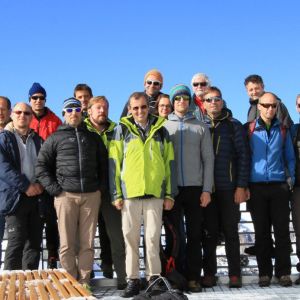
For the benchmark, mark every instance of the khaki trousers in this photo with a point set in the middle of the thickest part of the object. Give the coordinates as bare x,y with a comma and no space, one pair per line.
133,212
77,215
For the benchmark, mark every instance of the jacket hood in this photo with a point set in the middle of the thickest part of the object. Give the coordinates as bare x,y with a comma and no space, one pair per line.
188,116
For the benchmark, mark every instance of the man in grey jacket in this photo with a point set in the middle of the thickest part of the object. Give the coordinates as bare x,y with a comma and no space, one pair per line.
195,164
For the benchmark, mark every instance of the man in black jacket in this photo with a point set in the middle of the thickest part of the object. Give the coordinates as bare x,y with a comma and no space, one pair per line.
231,172
72,166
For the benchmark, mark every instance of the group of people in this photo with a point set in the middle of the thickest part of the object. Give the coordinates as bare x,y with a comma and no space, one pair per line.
180,157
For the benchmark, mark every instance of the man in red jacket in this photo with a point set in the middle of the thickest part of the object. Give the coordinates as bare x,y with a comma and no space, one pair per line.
44,122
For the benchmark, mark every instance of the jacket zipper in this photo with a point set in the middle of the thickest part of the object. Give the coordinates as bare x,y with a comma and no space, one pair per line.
181,153
80,161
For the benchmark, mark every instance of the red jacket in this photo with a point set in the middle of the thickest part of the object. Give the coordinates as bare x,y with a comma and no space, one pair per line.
46,125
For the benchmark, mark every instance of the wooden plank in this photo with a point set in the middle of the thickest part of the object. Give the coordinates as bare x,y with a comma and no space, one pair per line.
52,291
58,285
42,291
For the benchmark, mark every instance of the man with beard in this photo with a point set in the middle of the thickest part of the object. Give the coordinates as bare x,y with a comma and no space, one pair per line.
99,122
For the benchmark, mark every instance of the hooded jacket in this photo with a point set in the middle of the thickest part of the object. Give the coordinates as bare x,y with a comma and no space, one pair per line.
139,167
72,160
231,151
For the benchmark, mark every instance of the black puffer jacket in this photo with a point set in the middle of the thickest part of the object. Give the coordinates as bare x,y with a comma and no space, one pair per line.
73,160
231,151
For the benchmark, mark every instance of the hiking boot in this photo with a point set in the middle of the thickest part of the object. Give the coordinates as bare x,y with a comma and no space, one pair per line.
285,280
264,281
107,271
121,286
297,281
52,263
235,282
132,289
151,280
209,281
250,250
194,286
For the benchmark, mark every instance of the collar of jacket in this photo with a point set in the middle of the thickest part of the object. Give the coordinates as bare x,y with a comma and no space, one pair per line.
90,127
65,127
261,124
188,116
225,114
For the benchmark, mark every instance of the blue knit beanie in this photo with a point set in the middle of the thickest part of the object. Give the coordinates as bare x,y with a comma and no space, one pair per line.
71,102
37,88
178,90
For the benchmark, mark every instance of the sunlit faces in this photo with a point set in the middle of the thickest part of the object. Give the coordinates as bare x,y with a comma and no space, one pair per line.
98,112
164,107
200,86
139,109
181,105
73,116
21,115
83,96
4,112
267,106
213,102
153,88
254,90
37,102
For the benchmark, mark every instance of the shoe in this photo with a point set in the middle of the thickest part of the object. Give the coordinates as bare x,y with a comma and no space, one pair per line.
209,281
298,266
121,286
52,263
285,280
250,250
264,281
107,271
297,281
194,286
235,282
132,289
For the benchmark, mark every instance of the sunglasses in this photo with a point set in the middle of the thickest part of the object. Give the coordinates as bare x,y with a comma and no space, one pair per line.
38,97
213,99
155,83
71,109
19,112
136,108
183,97
268,105
202,84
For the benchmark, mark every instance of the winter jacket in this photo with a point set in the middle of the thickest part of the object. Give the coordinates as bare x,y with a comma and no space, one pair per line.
12,182
282,113
72,160
106,135
231,151
272,155
45,125
295,133
141,167
193,151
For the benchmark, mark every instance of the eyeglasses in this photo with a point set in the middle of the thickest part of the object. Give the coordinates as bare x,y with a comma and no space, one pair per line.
155,83
71,109
202,84
183,97
268,105
38,97
136,108
164,106
19,112
213,99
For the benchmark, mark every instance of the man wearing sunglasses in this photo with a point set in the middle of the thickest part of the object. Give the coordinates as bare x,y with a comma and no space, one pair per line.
44,122
231,176
195,163
72,167
141,172
20,192
255,88
272,174
153,82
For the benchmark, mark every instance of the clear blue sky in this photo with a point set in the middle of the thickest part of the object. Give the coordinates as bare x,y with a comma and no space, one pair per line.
110,45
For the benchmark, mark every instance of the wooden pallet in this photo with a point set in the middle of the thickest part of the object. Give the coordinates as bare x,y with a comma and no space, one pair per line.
53,284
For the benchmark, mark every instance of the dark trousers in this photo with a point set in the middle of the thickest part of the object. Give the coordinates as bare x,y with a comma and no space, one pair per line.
105,254
24,236
221,215
187,204
296,217
270,206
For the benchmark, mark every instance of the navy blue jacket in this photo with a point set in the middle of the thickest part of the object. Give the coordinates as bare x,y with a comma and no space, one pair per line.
12,182
231,151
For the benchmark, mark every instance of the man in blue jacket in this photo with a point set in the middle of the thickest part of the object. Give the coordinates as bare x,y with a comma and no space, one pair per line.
272,171
20,194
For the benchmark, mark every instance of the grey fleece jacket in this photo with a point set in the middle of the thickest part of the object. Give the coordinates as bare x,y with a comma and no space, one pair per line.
193,151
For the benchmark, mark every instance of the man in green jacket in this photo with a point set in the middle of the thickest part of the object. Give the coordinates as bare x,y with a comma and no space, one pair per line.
99,122
141,175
